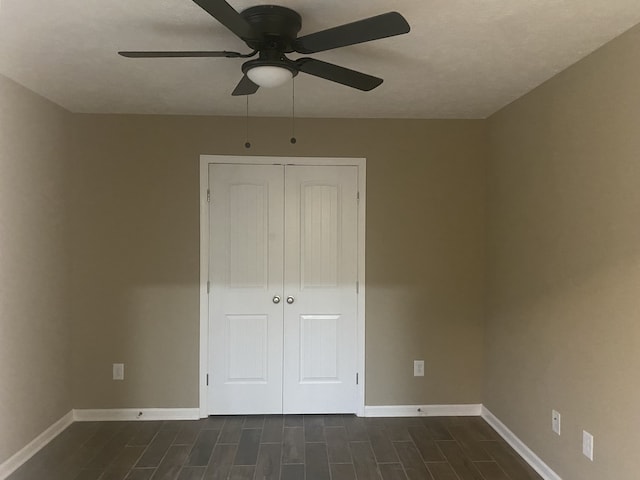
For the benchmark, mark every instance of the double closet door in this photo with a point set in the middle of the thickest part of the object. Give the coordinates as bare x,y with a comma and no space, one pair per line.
283,298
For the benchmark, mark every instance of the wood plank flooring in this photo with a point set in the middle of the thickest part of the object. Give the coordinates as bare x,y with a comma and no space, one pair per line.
289,447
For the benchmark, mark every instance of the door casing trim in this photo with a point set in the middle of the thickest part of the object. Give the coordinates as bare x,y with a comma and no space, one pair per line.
205,161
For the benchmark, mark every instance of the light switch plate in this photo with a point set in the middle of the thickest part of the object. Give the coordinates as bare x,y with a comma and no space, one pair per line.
418,368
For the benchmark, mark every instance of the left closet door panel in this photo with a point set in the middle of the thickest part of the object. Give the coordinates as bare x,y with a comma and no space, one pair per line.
245,305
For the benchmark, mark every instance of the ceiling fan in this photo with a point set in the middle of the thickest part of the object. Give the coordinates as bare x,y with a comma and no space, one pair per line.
271,31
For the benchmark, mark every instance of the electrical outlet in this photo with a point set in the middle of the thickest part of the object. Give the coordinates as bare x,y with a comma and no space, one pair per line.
118,371
555,421
418,368
587,445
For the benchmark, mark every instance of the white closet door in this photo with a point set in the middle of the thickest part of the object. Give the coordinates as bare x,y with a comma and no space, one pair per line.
320,327
246,265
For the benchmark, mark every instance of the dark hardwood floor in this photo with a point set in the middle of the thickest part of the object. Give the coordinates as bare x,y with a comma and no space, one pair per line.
290,447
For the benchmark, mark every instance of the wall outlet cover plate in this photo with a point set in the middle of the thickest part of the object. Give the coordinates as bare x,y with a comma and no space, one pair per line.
418,368
555,421
587,445
118,371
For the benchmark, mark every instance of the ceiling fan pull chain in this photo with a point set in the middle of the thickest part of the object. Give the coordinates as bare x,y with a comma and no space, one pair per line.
247,144
293,110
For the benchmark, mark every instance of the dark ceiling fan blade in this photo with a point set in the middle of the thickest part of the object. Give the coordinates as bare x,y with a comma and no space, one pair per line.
335,73
245,87
229,17
183,54
373,28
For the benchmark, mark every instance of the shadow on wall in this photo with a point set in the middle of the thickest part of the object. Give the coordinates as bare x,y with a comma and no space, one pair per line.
135,281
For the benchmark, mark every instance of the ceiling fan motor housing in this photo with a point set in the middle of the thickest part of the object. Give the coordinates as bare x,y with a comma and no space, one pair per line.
279,27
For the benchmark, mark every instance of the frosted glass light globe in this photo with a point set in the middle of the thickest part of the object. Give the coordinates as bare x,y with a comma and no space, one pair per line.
269,76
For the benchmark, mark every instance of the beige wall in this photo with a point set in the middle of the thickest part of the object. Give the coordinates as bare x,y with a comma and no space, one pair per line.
35,386
136,251
563,326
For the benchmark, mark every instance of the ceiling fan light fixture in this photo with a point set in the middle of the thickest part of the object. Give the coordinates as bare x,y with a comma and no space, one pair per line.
269,76
271,32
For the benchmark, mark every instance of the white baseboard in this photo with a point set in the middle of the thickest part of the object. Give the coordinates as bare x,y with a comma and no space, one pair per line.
518,445
422,410
119,414
86,415
12,464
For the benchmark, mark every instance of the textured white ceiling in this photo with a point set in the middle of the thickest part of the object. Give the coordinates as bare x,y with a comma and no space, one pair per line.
462,58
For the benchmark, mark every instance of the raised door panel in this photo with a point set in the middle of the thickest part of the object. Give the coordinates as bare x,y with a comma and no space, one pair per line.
248,236
319,348
320,234
246,348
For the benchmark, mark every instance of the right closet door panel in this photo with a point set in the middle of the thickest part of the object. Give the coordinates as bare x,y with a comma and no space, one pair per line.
320,281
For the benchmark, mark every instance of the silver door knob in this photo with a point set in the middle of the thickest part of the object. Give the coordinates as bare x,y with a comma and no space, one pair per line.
276,299
290,299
